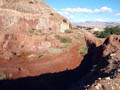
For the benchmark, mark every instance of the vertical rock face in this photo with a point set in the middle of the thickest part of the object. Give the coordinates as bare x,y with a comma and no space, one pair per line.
34,14
111,44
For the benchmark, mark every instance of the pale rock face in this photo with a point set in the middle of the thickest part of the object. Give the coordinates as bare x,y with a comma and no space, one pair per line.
10,20
63,27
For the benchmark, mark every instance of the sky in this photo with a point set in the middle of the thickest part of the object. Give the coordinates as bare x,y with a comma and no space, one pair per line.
87,10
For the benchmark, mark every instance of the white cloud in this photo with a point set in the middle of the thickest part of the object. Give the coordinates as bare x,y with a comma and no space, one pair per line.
86,10
70,13
118,14
76,10
55,9
71,17
67,15
103,9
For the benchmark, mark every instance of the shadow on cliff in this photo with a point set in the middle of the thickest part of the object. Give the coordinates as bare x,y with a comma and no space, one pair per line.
68,80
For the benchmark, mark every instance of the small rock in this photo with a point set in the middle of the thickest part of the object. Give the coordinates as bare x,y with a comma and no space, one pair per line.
7,57
10,75
88,85
92,70
99,78
32,56
94,66
113,54
107,78
98,86
118,70
18,54
35,56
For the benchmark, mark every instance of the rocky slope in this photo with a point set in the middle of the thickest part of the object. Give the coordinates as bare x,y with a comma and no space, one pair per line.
32,41
104,72
32,44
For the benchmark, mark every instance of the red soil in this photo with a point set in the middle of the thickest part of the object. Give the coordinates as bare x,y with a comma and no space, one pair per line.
22,67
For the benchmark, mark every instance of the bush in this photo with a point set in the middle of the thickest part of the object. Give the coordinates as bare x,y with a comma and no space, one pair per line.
64,39
64,20
50,28
58,37
101,34
108,31
3,76
52,14
83,50
68,31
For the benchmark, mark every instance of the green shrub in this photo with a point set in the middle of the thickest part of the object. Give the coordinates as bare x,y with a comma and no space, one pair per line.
97,33
31,31
50,28
52,14
83,50
108,31
3,76
58,37
101,34
64,20
64,39
68,31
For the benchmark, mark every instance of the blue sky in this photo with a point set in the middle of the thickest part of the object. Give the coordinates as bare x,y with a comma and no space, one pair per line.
87,10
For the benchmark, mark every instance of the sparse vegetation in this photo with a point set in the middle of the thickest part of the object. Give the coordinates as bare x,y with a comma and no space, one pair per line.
64,39
31,31
83,50
2,76
66,47
55,50
50,28
68,31
64,20
31,2
46,38
22,46
108,31
52,14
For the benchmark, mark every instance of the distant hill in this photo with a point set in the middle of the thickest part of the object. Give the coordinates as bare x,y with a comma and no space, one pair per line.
96,24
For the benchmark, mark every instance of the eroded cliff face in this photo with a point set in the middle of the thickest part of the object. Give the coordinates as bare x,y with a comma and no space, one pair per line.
31,14
31,42
111,44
